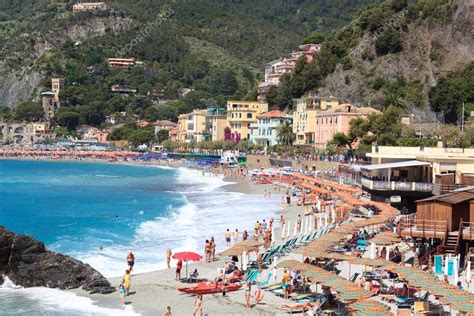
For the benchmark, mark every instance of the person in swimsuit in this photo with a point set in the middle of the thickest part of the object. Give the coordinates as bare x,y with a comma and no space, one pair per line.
213,249
127,280
245,235
236,236
198,306
227,237
130,260
179,266
168,257
248,290
207,251
123,293
285,280
168,311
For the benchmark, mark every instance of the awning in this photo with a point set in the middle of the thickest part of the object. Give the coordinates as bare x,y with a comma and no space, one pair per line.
401,164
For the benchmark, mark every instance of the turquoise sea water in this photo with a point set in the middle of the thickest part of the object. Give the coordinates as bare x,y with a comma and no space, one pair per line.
77,207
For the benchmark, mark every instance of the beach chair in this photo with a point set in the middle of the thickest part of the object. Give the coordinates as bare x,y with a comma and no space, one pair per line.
354,277
253,277
250,274
272,287
267,280
194,276
318,308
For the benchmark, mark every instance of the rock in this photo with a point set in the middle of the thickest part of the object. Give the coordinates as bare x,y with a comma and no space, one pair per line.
27,263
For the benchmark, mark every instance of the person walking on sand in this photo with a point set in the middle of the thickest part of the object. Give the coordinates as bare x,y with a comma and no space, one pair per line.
127,280
168,311
198,306
248,291
228,234
282,220
168,257
130,260
245,235
207,250
179,266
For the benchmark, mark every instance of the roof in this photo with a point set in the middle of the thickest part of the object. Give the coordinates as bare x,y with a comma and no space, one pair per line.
272,114
164,123
400,164
454,197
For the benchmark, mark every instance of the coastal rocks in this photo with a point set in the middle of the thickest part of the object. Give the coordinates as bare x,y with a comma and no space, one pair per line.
27,263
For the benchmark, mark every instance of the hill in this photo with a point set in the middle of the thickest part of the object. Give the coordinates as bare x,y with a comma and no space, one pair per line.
194,44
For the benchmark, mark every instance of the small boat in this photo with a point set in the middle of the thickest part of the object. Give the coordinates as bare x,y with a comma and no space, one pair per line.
211,288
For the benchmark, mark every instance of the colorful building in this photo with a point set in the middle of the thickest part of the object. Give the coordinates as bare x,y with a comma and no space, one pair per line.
240,114
216,123
121,63
192,126
89,6
265,131
336,120
304,116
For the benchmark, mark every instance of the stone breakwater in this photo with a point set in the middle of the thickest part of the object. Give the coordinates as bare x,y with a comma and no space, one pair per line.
27,263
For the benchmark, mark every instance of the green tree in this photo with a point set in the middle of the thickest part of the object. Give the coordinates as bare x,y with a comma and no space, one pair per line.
141,136
389,42
162,135
29,111
314,38
285,134
67,118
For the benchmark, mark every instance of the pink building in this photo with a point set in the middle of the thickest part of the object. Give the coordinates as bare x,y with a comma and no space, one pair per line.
336,120
101,136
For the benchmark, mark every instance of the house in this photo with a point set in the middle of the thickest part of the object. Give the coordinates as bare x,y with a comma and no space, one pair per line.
275,69
265,131
156,93
240,114
216,122
192,126
124,90
121,63
182,92
143,123
336,120
25,133
173,134
166,125
304,116
120,117
406,174
89,6
447,219
101,136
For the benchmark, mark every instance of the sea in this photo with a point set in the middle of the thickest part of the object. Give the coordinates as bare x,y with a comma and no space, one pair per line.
98,212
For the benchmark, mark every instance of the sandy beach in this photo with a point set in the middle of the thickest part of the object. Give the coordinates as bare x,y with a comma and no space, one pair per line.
152,292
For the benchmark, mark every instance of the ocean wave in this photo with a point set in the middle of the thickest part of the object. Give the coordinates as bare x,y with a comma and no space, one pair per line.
41,300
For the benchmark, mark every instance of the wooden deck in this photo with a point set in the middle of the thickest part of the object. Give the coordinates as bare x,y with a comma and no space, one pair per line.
467,234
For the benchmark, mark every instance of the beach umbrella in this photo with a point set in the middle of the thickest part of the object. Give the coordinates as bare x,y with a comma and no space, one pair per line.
371,305
465,306
291,264
353,293
187,256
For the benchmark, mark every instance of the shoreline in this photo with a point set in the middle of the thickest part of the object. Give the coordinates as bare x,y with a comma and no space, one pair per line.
160,283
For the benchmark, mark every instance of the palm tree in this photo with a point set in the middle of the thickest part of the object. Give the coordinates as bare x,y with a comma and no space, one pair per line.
285,134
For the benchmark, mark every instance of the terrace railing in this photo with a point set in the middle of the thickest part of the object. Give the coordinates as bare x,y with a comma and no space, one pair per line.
423,227
446,188
397,185
468,230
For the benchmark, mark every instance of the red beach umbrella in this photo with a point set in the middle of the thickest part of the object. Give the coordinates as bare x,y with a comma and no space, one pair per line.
187,256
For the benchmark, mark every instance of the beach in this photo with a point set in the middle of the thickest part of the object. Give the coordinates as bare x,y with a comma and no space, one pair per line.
152,292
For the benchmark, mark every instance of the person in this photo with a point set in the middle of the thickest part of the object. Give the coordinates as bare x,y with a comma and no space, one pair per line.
198,306
236,236
227,237
383,253
123,293
127,281
248,290
298,224
264,225
460,287
168,311
179,266
445,279
168,257
245,235
285,280
130,260
207,250
288,200
255,235
213,249
282,220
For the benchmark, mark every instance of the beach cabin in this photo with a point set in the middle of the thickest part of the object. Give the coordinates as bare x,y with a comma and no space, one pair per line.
447,219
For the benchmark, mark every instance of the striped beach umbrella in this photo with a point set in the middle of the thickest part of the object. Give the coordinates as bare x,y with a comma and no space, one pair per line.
353,294
373,305
465,306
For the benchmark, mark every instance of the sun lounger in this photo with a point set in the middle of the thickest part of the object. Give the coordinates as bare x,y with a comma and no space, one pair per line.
263,283
296,307
272,287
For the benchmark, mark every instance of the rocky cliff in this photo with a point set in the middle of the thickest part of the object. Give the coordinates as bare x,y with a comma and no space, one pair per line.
430,51
27,263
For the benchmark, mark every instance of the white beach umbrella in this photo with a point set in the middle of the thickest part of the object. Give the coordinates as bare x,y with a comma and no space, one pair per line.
288,229
273,236
283,231
295,231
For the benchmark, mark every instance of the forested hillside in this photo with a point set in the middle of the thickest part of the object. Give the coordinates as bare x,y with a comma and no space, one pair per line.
216,47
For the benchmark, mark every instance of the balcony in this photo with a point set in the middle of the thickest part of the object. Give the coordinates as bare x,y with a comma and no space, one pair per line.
397,186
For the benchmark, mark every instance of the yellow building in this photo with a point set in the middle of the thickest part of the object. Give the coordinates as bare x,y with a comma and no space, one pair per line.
216,123
240,114
192,126
304,116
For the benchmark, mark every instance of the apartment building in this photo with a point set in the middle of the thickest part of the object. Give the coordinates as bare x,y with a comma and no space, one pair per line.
240,114
89,6
121,63
265,131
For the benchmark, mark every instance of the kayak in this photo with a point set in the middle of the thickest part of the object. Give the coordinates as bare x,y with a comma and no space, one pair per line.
210,288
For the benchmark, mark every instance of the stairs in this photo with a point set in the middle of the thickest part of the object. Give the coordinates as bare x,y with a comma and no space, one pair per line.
451,243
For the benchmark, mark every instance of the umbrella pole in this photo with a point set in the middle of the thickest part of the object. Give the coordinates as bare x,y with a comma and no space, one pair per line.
186,270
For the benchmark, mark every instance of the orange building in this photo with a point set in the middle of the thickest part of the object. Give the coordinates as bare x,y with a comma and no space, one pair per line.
336,120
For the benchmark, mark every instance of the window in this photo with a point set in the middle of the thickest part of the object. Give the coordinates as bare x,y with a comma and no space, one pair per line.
249,115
